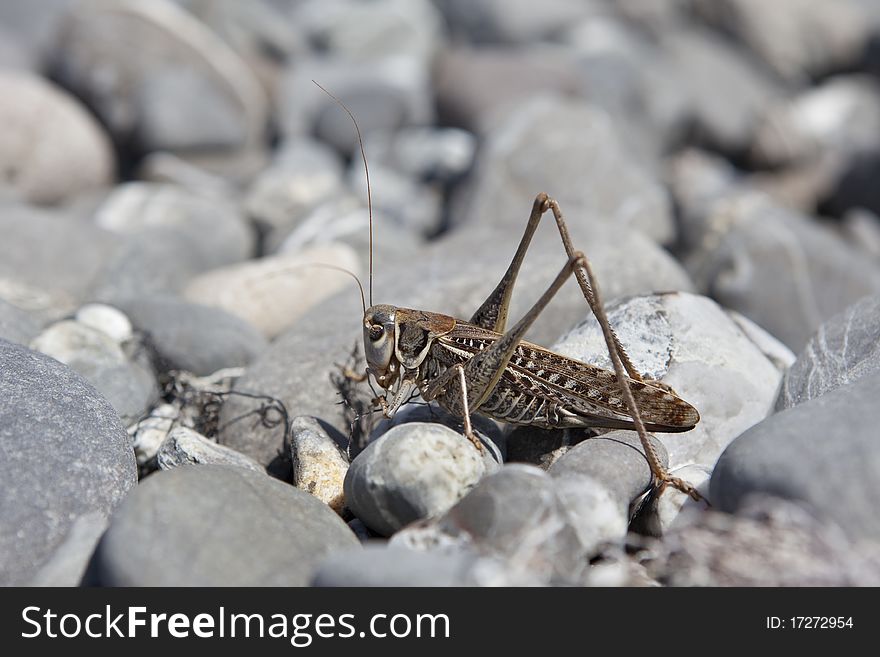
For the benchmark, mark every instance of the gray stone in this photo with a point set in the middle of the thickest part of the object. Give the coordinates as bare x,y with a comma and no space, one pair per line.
862,228
244,528
68,563
271,293
425,153
834,435
726,93
616,460
130,387
210,225
798,40
184,446
487,430
690,343
570,150
193,337
304,173
839,118
777,353
512,22
475,87
17,325
165,81
54,149
49,259
383,92
63,454
392,565
843,350
783,270
541,527
415,471
350,29
770,543
319,465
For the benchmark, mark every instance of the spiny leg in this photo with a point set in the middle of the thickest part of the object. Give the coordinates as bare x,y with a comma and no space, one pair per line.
590,288
440,386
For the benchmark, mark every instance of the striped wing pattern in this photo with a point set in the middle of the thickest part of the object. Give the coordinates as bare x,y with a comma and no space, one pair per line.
541,388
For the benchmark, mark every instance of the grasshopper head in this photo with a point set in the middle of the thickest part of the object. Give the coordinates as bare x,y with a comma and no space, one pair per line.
379,344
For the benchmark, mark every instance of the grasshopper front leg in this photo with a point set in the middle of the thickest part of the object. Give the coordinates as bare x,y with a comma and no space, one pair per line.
454,379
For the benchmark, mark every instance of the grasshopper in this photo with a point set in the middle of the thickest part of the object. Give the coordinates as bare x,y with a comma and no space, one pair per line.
481,366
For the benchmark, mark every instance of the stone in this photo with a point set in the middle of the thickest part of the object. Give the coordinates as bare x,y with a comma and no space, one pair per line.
349,29
215,232
53,148
584,165
384,93
614,459
64,455
130,387
304,173
319,465
272,292
415,471
17,325
688,342
148,434
726,93
392,565
799,40
68,563
184,446
107,319
834,435
49,260
512,22
441,155
192,337
843,350
476,87
119,371
781,269
771,543
540,527
487,430
249,530
165,81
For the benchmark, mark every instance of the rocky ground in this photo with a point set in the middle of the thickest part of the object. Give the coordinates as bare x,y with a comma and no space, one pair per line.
172,409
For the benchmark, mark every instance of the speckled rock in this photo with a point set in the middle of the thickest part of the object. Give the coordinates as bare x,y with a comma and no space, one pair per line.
64,455
319,465
415,471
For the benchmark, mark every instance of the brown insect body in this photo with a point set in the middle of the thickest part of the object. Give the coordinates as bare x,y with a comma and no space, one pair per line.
537,387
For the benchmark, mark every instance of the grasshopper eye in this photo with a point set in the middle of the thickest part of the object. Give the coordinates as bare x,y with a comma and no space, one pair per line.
376,332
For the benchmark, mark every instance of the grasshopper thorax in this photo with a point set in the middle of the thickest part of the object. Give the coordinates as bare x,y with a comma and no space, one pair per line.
400,338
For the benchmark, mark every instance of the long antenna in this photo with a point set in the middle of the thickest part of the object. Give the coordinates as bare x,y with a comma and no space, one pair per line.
366,171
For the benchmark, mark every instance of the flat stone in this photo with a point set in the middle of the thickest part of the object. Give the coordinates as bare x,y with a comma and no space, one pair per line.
245,528
184,446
